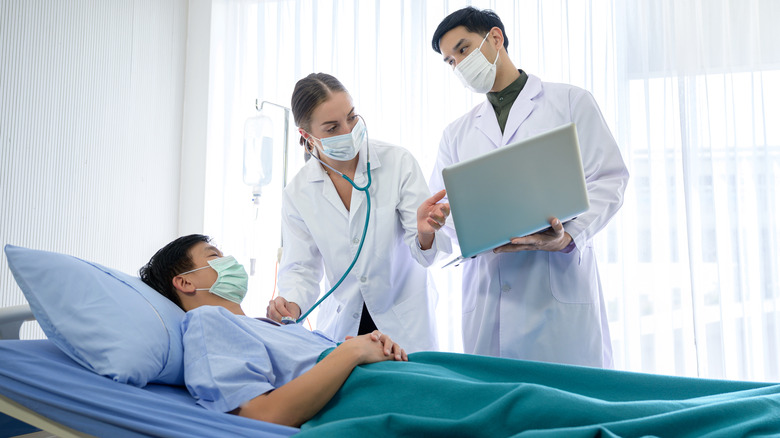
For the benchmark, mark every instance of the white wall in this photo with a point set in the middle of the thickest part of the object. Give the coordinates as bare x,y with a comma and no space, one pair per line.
91,97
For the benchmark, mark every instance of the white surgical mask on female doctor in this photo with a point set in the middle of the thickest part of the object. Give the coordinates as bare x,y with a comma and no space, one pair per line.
476,72
346,146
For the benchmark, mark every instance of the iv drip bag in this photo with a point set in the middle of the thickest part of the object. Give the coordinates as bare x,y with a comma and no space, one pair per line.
258,152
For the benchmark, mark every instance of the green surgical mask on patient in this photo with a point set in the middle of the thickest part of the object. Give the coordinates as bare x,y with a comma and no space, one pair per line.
232,279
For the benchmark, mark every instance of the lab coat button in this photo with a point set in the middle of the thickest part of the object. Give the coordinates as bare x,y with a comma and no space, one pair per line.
362,279
356,315
505,288
355,241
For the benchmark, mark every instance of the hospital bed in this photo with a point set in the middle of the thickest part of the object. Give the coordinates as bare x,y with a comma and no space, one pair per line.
64,385
111,364
42,387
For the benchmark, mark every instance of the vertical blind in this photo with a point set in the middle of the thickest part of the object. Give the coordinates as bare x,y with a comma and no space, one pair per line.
90,129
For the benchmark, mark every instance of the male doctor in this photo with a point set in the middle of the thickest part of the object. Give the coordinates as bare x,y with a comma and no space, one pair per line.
538,297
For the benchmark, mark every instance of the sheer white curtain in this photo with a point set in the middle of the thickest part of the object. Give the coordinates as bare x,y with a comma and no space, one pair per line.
699,241
689,265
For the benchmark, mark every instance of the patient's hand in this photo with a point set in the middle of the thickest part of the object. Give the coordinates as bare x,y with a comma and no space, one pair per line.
431,216
279,307
375,347
551,239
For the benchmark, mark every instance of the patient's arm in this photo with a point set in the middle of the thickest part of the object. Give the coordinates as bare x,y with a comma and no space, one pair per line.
300,399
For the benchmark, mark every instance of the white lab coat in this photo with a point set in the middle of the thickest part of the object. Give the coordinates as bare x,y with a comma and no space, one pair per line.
539,305
320,234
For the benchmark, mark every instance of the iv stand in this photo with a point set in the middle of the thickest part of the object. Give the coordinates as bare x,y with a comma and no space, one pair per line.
284,158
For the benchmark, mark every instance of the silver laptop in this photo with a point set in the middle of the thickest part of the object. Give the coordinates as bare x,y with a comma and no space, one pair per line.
514,190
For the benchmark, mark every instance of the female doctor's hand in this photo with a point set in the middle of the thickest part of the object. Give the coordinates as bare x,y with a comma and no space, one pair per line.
279,307
431,215
551,239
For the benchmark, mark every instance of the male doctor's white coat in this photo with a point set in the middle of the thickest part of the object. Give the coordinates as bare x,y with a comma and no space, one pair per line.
320,235
540,305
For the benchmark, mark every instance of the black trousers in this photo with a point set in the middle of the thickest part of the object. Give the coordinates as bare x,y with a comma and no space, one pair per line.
366,323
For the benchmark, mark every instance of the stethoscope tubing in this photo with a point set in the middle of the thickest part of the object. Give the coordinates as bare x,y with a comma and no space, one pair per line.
363,189
362,238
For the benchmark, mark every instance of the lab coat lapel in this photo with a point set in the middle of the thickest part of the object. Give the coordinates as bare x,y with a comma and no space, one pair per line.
317,176
331,195
522,108
485,121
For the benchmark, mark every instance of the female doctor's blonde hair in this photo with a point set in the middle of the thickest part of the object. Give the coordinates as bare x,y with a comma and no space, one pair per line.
308,94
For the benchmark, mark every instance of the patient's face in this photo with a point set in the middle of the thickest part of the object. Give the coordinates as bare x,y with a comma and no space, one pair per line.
200,254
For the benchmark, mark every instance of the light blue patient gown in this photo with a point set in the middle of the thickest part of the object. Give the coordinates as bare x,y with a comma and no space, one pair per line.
231,359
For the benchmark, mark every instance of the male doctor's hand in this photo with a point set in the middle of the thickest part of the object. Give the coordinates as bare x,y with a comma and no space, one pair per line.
551,239
279,307
431,215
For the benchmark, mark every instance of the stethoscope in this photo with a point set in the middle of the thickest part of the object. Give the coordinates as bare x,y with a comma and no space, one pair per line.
364,189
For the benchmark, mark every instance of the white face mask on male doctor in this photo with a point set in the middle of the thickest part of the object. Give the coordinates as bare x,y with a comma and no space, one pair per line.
476,72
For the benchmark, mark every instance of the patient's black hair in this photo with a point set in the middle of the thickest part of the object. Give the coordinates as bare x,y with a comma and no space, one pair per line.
473,19
170,261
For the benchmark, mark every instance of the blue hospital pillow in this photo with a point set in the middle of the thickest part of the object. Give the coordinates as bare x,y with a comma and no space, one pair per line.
109,322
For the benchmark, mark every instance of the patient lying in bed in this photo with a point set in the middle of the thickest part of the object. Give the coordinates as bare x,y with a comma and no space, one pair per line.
289,375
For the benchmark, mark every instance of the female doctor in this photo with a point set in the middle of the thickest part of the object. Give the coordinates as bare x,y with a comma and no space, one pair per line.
323,221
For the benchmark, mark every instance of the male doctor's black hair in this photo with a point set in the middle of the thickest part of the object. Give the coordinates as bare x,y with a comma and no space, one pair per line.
473,19
168,262
308,94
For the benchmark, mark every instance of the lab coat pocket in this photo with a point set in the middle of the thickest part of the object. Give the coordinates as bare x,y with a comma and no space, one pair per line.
416,324
572,281
405,313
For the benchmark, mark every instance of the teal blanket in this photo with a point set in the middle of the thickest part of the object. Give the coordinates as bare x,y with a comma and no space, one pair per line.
452,395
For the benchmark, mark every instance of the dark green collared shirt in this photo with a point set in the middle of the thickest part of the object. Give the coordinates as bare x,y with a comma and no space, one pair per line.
503,100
